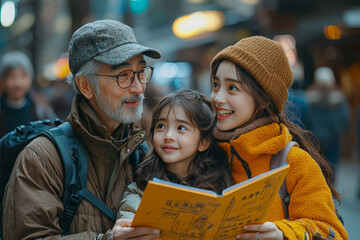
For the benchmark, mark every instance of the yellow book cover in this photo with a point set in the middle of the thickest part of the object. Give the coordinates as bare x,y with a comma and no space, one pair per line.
183,212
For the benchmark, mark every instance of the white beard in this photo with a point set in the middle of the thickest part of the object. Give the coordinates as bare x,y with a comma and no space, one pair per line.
116,111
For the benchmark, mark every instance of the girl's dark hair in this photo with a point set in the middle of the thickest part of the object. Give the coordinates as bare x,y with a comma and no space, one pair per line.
210,168
265,107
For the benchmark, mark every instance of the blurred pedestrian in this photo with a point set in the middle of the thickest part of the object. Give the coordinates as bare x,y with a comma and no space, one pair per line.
328,113
296,105
18,103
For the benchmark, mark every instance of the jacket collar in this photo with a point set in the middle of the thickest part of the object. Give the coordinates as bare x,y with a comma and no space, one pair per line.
235,133
268,139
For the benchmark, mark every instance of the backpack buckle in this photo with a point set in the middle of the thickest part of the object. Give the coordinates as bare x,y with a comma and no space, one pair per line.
72,205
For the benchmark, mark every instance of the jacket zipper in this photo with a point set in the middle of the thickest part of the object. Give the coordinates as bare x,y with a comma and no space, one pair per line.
244,163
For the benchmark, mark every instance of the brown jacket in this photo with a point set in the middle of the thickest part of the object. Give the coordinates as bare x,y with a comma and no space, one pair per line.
33,197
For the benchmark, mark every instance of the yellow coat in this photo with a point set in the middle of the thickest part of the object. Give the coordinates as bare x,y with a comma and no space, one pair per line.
311,208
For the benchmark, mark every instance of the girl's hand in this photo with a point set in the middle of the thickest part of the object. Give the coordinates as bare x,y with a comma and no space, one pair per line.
266,231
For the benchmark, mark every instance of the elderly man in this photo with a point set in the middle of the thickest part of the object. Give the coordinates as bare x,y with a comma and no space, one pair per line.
110,76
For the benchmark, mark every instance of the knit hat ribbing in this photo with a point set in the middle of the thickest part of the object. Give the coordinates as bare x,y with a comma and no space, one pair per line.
266,61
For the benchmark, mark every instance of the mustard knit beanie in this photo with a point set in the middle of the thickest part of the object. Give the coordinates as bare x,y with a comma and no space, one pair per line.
265,61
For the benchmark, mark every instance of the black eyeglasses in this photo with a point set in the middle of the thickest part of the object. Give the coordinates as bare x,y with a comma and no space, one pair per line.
126,78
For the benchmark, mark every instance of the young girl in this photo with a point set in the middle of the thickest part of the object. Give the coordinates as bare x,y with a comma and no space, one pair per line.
184,150
250,82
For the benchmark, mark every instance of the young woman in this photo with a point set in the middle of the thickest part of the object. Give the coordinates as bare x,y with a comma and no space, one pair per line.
184,150
250,82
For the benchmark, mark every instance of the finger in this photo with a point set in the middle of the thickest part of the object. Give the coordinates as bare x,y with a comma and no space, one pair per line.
248,236
131,232
265,227
123,222
146,237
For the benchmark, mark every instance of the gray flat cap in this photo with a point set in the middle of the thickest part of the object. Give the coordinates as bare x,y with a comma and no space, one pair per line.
107,41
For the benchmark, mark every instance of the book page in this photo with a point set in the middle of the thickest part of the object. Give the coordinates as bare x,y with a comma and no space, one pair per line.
184,213
179,214
249,202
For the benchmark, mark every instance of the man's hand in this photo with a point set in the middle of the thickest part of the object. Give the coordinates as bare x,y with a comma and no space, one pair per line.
123,230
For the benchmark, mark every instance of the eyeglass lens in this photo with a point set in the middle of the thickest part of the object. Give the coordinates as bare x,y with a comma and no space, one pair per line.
126,78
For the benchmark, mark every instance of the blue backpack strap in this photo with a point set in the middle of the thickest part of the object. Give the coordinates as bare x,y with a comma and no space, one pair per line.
276,161
88,195
138,155
74,160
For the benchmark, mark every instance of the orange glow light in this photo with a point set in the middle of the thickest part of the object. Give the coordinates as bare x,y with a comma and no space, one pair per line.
198,23
332,32
61,68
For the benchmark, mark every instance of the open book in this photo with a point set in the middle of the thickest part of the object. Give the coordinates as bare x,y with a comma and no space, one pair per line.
182,212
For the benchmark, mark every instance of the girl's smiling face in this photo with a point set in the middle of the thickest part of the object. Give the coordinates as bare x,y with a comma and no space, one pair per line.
176,140
233,105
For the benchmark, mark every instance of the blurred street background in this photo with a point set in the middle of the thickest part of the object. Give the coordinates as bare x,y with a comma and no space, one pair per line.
321,38
348,177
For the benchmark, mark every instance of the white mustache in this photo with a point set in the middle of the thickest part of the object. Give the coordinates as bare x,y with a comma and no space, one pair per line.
135,98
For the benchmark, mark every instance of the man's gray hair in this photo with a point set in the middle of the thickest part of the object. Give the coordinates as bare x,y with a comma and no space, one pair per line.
87,70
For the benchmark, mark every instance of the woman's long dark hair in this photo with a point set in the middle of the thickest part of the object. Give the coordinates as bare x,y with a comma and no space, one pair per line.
210,168
265,107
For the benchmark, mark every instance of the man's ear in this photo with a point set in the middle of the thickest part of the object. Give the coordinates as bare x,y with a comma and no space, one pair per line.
204,144
84,87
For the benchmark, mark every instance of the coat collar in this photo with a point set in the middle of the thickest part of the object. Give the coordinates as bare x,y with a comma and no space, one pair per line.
235,133
268,139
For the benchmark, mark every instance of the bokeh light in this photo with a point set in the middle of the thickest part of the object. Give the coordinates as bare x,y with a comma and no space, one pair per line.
198,23
332,32
7,13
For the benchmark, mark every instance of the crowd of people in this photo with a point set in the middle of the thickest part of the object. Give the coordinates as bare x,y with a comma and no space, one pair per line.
209,143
